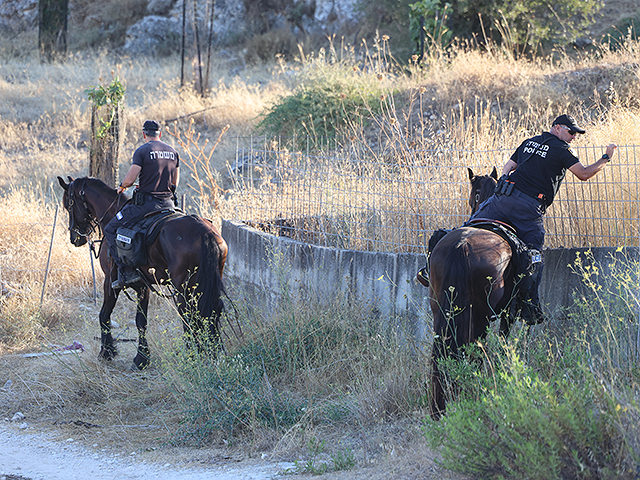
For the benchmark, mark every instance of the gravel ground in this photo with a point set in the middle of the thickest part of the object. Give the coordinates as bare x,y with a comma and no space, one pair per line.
28,454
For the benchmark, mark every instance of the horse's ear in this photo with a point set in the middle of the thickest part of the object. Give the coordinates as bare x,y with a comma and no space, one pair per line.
62,184
69,178
471,175
494,173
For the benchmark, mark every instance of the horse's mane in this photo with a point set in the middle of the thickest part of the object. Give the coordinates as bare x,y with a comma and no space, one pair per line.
96,184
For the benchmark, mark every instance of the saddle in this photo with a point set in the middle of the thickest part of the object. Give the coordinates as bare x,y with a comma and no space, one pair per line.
132,241
524,259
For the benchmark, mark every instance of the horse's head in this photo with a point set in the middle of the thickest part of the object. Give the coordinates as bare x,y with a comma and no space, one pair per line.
482,187
81,220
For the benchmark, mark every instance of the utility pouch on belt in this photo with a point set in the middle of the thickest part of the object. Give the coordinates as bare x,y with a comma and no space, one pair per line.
131,248
531,262
504,186
138,197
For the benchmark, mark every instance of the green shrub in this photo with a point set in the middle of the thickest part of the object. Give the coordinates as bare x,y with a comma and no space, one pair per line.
320,108
560,404
516,423
334,95
228,395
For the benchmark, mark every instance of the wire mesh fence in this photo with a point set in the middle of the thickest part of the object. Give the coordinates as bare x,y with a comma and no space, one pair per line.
353,198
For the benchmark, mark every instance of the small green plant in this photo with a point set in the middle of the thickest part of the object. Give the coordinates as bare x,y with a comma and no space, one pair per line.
226,395
112,97
517,422
337,93
342,460
320,108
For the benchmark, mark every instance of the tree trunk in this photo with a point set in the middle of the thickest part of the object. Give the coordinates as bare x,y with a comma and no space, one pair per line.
105,144
52,31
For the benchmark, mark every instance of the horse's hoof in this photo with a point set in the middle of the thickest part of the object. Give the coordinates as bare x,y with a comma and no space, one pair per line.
140,362
107,353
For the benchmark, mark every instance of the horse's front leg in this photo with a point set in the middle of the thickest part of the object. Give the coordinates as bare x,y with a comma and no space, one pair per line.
108,348
141,359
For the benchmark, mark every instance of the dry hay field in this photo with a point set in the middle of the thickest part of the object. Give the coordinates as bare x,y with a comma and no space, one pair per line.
353,399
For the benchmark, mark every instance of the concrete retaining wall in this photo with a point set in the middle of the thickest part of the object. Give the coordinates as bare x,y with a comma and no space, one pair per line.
386,280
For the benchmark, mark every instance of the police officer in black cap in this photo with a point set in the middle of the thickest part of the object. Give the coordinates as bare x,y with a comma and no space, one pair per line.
158,167
532,178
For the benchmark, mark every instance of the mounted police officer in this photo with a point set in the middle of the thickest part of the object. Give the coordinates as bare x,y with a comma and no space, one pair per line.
530,181
158,166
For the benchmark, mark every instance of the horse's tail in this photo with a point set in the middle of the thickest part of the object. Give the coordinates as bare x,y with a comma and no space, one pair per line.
455,298
209,288
450,319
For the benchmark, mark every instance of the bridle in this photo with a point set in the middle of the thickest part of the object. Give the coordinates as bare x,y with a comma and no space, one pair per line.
477,194
476,201
88,218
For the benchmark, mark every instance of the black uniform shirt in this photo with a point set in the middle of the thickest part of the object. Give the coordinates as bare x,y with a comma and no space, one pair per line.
543,162
158,161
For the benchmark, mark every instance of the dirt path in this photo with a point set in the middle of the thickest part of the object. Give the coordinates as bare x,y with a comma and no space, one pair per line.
28,454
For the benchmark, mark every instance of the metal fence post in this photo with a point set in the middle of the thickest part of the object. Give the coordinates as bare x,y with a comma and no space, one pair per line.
46,272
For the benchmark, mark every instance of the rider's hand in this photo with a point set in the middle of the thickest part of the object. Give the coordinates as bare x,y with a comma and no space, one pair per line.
611,148
120,189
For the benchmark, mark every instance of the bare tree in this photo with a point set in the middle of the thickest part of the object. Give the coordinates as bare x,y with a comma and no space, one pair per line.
52,31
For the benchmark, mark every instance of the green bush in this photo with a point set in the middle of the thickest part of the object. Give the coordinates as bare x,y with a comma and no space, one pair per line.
334,95
228,395
520,424
320,108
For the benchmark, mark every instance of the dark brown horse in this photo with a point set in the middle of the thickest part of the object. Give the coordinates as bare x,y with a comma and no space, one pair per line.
471,282
188,256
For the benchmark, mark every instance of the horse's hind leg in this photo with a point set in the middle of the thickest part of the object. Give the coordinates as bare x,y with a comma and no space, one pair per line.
108,349
438,399
141,359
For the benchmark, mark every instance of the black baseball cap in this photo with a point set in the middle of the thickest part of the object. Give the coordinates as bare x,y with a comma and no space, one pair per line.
151,126
570,122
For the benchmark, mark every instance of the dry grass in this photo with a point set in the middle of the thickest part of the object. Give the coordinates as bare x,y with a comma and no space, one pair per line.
45,113
403,171
476,101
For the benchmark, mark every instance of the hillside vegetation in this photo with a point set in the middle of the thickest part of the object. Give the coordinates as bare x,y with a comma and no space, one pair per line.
334,387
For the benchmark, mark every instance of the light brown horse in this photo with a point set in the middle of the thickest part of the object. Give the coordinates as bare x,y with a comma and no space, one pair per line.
188,255
471,282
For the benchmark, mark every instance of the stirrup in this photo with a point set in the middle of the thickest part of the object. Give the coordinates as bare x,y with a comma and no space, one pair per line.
126,277
423,277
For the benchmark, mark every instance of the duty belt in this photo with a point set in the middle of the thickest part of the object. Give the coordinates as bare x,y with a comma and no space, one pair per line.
532,200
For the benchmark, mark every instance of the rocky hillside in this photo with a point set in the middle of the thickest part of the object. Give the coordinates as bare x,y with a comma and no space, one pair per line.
139,26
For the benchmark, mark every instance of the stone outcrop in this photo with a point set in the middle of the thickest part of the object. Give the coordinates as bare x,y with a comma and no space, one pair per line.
18,15
161,29
154,35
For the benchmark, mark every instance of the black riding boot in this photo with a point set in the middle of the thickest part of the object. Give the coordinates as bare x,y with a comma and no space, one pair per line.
528,298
